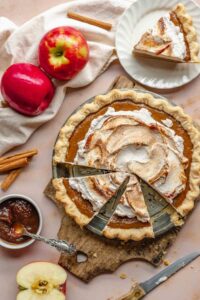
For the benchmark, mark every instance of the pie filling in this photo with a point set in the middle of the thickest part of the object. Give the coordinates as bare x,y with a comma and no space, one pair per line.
132,138
166,39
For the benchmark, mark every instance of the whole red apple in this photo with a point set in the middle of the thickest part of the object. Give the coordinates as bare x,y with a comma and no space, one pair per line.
63,52
27,89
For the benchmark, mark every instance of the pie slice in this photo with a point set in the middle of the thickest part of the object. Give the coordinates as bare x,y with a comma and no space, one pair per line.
172,38
83,197
131,132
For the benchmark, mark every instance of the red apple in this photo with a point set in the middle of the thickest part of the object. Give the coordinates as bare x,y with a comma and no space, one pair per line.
63,52
41,281
27,89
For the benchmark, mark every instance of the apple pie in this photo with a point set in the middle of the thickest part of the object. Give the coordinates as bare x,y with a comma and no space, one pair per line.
172,38
132,132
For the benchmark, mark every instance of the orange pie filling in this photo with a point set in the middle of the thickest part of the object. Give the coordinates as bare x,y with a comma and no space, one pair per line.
160,152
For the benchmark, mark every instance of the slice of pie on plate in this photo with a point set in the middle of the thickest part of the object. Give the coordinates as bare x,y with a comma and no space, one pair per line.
83,197
135,133
172,38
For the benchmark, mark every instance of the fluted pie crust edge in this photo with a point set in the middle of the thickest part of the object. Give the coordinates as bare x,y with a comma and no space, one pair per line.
189,31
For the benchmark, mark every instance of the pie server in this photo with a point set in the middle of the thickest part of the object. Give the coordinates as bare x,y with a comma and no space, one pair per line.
69,169
98,223
139,290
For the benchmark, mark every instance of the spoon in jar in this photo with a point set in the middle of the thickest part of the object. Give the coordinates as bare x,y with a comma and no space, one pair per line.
60,245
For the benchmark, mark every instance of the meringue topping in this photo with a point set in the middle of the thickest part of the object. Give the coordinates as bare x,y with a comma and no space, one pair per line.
133,141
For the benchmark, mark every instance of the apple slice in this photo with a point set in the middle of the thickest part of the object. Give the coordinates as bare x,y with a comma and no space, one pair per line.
41,280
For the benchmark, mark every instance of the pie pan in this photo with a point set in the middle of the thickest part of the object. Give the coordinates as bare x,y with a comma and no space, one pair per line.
158,209
13,246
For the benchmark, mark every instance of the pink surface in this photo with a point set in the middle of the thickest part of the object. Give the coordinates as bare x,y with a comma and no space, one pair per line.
184,285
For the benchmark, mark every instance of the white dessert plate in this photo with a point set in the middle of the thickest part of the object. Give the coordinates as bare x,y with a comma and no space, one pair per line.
140,16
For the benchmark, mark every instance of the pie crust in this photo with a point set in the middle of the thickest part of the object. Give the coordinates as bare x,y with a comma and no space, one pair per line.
190,37
70,207
189,30
62,144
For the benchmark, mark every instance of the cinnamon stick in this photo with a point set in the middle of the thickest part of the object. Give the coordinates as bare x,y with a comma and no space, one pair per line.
14,157
81,18
10,178
22,162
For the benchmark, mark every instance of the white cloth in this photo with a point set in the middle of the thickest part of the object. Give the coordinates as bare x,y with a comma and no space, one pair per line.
20,45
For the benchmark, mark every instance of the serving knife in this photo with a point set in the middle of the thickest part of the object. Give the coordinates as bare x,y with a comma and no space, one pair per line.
98,223
139,290
70,169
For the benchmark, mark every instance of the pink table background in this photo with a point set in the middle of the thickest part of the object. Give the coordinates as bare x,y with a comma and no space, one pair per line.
184,285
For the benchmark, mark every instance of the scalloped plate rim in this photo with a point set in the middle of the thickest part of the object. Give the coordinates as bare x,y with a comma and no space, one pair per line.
148,81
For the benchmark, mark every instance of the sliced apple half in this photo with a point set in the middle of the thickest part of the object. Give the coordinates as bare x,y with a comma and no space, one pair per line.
41,280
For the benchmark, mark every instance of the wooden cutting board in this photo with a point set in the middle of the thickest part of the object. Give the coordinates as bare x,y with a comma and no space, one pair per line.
105,255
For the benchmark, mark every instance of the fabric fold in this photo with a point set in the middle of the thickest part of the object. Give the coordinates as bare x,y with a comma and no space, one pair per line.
19,44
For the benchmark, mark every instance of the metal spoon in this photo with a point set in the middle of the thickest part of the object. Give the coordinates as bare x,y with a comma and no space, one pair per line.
60,245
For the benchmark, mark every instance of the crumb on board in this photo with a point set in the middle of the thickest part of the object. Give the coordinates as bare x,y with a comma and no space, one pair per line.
191,267
166,262
94,255
123,276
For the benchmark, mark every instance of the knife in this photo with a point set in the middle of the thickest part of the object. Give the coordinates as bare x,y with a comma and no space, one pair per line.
98,223
139,290
69,169
159,209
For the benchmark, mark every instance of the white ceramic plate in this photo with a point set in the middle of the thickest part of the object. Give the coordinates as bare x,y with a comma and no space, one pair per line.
154,73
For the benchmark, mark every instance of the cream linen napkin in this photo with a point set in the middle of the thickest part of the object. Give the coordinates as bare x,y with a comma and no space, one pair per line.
20,45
